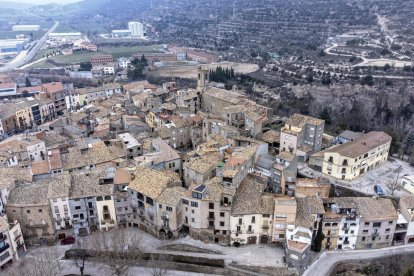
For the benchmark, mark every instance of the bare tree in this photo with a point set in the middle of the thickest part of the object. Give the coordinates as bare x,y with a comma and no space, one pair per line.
118,249
44,262
393,184
159,265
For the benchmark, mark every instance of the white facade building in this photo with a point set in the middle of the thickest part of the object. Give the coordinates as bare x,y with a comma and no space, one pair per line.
136,29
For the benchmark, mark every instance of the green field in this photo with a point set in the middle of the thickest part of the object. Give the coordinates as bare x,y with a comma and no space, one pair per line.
79,57
75,58
128,51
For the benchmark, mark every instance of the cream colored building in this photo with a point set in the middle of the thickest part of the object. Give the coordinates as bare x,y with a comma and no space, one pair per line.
284,216
350,160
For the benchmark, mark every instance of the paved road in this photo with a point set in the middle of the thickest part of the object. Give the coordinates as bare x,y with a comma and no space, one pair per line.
25,56
327,260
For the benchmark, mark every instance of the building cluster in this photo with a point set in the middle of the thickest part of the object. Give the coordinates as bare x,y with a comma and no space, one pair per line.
204,162
135,30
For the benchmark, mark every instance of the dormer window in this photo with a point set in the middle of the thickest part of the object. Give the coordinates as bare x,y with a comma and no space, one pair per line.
199,191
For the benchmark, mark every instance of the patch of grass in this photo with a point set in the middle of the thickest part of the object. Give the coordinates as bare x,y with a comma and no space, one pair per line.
127,51
75,58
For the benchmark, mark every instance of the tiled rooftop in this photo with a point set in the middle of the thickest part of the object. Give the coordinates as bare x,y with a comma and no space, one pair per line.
204,163
59,186
96,154
12,175
87,185
150,182
362,144
250,199
299,120
306,208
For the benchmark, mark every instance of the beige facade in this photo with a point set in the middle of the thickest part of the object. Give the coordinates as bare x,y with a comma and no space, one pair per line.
350,160
284,215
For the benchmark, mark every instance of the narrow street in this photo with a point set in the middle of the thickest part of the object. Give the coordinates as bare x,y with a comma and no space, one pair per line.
327,260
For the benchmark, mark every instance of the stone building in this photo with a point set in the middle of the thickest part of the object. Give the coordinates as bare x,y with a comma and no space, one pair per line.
28,204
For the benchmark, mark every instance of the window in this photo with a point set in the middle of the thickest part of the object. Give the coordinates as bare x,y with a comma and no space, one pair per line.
222,214
28,211
211,205
363,238
185,201
55,200
390,222
56,210
192,220
253,219
150,201
387,230
77,207
140,196
387,237
376,224
366,223
240,221
40,210
221,223
160,206
194,204
365,231
169,209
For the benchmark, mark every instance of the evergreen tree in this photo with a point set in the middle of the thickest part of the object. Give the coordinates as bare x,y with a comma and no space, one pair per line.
28,84
319,238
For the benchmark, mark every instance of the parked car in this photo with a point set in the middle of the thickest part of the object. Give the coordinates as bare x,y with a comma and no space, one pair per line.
68,240
378,190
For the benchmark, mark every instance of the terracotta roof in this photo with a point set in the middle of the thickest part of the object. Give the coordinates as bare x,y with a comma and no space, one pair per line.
300,120
362,144
53,87
87,185
271,136
171,196
40,167
150,182
7,85
33,194
98,153
122,177
250,199
12,175
368,207
59,186
307,207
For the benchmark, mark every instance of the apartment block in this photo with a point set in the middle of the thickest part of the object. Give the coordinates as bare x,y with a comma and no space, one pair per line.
302,136
350,160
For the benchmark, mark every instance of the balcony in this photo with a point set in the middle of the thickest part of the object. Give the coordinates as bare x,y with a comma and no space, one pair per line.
4,248
250,231
107,221
209,217
346,242
400,228
210,226
238,231
37,225
165,218
265,226
3,238
376,234
350,218
225,204
17,237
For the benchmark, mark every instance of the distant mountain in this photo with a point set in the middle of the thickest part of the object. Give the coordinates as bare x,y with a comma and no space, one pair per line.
87,5
14,5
